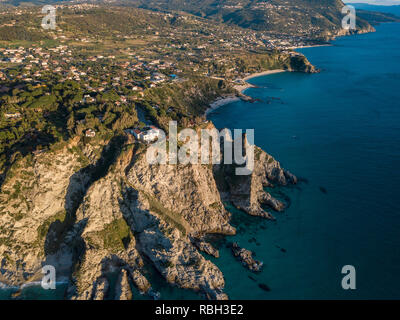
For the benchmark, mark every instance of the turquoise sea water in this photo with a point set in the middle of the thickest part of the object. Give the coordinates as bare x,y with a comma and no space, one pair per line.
340,131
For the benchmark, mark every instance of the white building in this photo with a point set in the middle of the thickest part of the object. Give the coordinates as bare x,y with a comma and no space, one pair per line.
90,133
146,135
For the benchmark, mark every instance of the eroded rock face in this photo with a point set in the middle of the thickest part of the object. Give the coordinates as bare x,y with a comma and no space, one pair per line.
35,202
102,216
101,289
180,263
205,247
170,249
247,192
188,190
123,290
140,282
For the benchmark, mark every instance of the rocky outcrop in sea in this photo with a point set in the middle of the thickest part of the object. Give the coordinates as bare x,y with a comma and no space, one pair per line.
246,257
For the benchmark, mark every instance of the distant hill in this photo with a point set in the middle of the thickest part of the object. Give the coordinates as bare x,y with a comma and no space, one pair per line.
384,9
284,16
308,18
377,14
295,17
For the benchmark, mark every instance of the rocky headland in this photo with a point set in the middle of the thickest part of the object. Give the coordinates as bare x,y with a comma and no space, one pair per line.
92,211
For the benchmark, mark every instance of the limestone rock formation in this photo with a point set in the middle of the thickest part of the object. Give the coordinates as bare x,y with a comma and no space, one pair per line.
205,247
123,290
94,211
247,192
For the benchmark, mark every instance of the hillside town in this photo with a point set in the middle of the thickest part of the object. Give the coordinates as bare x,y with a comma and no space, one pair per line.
109,68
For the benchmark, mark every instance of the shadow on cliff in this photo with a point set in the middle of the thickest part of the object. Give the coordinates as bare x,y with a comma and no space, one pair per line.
110,269
79,184
139,219
136,148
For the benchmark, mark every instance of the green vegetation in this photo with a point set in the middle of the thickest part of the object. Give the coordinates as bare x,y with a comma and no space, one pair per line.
115,235
216,206
184,100
44,228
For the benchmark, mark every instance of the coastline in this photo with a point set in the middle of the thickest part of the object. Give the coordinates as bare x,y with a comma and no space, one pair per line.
221,102
312,46
264,73
240,88
323,157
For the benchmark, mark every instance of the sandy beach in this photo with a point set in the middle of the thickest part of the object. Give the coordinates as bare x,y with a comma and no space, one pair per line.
312,46
264,73
240,87
221,102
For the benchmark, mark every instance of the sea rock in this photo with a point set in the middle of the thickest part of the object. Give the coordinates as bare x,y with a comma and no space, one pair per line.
100,289
141,282
181,264
247,192
246,257
122,289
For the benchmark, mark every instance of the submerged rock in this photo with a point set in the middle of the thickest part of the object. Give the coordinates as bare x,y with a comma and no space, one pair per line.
323,190
282,249
264,287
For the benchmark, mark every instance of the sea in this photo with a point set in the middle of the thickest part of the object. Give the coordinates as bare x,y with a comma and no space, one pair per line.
339,132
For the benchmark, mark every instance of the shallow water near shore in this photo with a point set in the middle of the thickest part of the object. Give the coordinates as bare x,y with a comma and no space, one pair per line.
340,131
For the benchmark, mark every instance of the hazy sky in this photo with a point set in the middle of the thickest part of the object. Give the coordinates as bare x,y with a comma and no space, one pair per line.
381,2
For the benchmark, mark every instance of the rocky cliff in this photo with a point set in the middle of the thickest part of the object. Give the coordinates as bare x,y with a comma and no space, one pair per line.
95,211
